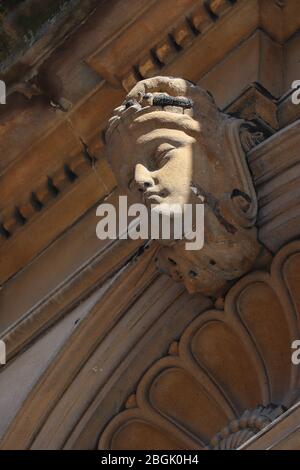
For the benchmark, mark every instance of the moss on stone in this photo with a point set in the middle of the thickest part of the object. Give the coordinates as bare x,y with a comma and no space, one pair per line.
35,19
24,22
28,21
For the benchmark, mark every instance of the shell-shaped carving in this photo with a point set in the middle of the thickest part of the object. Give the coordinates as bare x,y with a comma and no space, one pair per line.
228,361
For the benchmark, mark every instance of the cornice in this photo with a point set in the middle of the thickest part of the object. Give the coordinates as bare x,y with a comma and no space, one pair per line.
58,125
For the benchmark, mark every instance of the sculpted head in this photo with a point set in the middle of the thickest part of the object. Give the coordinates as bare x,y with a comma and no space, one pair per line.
169,144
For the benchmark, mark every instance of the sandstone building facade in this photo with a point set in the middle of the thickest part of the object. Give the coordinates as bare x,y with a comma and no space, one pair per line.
117,344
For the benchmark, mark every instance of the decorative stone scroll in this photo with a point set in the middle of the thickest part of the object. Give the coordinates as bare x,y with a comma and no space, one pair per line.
169,144
225,363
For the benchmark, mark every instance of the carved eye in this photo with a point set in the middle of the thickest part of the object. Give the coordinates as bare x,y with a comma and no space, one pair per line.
162,156
162,159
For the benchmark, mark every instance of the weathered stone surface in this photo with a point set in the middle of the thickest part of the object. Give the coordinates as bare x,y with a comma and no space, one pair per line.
232,365
66,80
29,29
61,79
283,434
165,155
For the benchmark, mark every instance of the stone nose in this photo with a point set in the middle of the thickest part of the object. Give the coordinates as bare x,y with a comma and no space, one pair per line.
143,178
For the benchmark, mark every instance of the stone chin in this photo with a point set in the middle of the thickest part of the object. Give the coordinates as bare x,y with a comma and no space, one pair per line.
169,139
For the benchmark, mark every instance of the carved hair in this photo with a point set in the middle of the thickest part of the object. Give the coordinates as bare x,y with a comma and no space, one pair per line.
161,92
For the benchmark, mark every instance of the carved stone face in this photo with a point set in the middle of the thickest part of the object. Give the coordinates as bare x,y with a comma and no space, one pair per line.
168,143
157,162
155,149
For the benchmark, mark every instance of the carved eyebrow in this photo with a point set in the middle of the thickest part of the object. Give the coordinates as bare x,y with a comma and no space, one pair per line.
166,100
167,136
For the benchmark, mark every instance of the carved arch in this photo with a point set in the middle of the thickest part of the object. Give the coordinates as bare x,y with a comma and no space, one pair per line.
225,363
